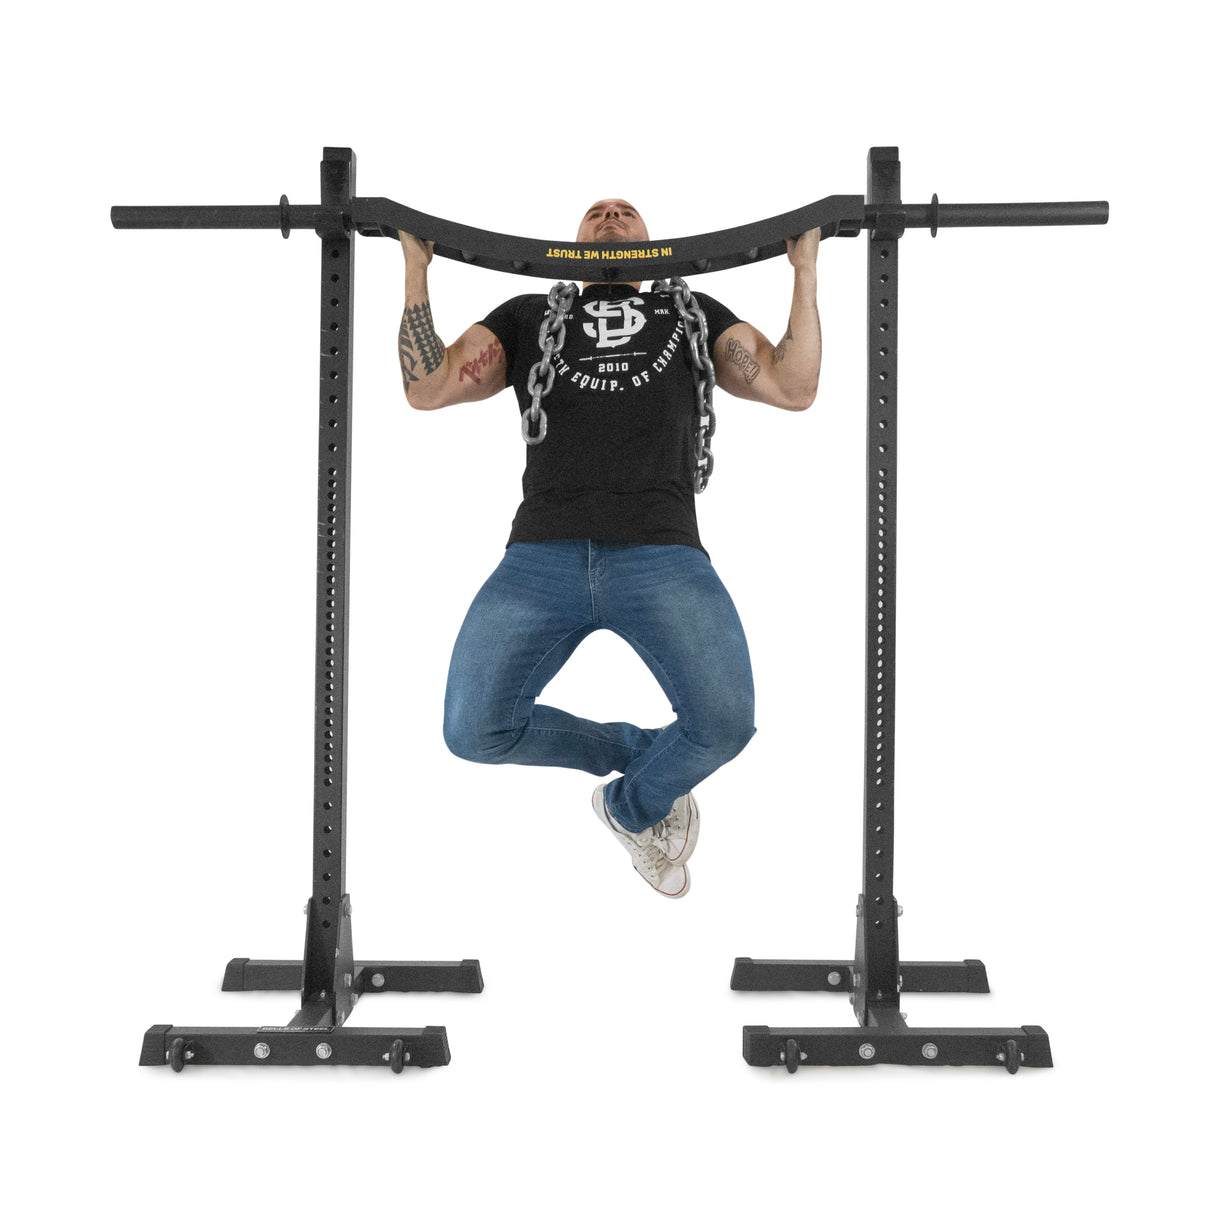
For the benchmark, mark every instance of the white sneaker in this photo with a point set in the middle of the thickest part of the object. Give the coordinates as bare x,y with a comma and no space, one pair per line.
648,852
676,834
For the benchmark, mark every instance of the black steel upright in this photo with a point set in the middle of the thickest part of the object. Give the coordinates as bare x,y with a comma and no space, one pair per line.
329,979
875,978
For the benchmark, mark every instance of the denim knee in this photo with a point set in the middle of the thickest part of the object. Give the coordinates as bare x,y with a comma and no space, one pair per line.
726,736
467,739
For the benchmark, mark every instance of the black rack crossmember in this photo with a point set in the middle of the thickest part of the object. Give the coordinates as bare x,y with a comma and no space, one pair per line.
836,215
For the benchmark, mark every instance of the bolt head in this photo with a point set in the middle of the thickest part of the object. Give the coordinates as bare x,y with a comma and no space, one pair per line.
931,1051
261,1050
378,980
324,1050
868,1052
834,978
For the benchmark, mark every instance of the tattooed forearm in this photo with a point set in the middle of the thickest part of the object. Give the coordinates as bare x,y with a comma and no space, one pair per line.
473,368
782,348
747,364
418,341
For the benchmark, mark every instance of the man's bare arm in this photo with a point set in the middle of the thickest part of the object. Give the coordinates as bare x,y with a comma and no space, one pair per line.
785,375
433,375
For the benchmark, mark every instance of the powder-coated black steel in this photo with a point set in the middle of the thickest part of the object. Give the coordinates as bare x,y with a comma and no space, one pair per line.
705,253
329,979
876,978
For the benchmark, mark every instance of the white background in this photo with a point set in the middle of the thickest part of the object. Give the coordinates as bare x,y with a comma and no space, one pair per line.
1053,728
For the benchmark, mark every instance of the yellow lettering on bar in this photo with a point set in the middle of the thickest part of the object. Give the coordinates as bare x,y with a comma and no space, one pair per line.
610,254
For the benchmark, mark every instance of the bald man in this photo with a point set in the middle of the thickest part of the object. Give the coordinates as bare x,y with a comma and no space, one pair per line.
606,537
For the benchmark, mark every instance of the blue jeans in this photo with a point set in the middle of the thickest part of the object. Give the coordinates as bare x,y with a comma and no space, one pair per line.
667,602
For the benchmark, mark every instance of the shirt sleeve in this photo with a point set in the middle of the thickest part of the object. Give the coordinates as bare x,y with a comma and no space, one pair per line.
503,323
719,317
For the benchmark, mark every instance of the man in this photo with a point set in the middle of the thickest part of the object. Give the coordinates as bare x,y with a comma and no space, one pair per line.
606,535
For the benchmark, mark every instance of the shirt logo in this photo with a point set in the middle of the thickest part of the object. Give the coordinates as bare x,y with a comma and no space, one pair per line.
605,311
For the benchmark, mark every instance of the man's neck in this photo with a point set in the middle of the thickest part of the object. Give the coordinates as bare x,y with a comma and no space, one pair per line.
636,286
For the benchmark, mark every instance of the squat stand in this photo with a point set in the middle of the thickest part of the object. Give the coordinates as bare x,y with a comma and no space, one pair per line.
330,980
875,979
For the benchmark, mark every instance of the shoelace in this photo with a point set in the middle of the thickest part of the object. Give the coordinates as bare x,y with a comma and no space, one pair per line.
662,836
648,852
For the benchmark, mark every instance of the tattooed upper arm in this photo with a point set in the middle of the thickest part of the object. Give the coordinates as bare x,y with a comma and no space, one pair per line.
745,363
476,370
742,360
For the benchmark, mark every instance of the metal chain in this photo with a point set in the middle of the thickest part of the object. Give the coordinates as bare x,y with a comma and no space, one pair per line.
552,339
696,325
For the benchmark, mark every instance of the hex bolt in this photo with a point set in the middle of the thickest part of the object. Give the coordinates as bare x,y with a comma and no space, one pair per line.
261,1050
868,1052
378,980
324,1050
834,978
931,1051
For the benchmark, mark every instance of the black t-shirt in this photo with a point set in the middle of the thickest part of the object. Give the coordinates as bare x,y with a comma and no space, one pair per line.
618,461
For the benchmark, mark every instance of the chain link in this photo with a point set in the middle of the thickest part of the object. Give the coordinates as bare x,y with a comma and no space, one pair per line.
552,339
695,323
